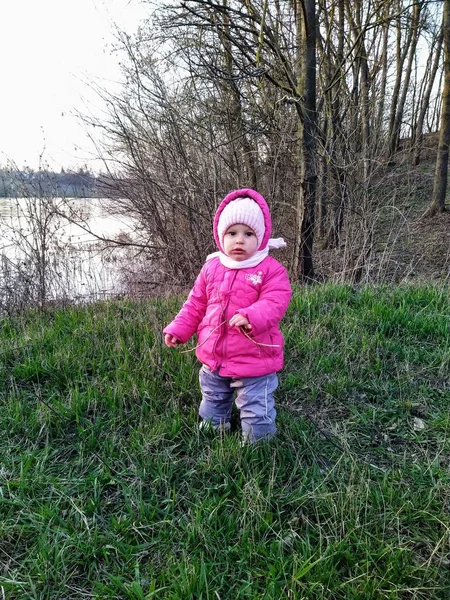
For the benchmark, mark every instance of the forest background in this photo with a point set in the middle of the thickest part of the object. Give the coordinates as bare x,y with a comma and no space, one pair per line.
331,109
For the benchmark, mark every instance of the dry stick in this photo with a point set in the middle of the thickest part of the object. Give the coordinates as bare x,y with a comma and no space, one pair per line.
204,341
246,335
260,343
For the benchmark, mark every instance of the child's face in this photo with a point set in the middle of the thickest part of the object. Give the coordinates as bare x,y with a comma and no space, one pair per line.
240,242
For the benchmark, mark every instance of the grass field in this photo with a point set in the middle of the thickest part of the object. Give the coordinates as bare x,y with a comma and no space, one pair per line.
108,489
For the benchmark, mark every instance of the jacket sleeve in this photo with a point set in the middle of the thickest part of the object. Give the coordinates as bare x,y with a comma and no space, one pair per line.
186,323
272,303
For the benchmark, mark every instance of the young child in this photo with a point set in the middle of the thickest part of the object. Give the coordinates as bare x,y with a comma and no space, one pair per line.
235,307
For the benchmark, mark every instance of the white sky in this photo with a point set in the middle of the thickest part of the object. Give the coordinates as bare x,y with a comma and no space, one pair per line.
50,50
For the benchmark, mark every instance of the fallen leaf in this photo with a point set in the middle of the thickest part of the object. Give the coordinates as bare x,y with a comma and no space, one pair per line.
418,424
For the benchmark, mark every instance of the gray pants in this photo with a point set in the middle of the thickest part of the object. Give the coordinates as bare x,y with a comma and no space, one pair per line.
254,399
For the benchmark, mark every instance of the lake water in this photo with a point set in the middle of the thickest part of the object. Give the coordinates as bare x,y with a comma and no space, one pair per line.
78,265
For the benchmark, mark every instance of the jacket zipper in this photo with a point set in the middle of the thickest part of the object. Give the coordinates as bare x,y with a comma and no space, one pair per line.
223,317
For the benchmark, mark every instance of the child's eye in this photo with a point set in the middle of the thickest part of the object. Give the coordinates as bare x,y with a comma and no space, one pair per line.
232,233
249,233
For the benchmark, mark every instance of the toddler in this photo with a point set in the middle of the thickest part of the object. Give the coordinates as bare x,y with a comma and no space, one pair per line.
235,307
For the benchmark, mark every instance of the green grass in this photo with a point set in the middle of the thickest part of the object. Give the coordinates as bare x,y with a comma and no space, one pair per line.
108,490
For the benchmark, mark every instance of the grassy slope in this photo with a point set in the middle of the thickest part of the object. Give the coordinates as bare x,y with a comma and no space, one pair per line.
107,489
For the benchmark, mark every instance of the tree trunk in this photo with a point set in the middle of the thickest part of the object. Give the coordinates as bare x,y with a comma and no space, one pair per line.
380,111
413,38
306,23
321,191
401,54
418,131
441,174
359,32
241,148
335,144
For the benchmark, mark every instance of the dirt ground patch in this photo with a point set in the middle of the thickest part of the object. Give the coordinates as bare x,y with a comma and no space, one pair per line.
405,245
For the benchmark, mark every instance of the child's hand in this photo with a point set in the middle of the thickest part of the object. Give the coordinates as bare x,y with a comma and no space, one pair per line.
171,341
240,321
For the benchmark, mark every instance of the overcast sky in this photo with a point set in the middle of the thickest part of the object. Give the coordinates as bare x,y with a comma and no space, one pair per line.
49,50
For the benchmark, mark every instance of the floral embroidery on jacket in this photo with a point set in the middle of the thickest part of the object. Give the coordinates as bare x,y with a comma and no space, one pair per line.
255,278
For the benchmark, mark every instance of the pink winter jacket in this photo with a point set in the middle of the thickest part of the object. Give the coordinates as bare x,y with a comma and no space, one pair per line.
261,293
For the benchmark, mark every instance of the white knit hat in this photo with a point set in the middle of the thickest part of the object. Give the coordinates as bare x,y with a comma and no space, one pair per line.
242,210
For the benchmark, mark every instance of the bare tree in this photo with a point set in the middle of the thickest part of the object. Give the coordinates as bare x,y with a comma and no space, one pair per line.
285,58
404,55
306,28
429,80
441,174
